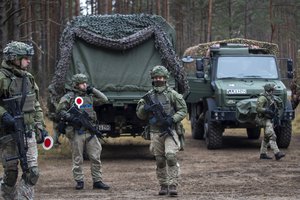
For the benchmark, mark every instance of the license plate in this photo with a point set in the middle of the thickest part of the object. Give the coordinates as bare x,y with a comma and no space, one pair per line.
104,127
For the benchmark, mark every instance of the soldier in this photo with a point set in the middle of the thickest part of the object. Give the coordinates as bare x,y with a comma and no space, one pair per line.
18,84
79,135
268,107
163,146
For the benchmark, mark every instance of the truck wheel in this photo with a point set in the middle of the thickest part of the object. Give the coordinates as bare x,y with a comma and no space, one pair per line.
253,133
213,134
284,134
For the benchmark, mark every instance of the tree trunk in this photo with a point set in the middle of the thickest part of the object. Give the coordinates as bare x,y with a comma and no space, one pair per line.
209,21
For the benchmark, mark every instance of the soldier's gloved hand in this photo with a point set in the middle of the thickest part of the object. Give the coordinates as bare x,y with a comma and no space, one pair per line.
89,89
169,121
40,136
76,122
147,107
68,117
8,120
269,113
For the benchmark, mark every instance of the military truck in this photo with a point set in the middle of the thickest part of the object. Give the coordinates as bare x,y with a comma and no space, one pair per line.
116,52
225,79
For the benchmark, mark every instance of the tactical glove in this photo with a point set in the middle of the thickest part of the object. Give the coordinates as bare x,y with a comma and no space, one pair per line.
76,123
41,134
8,120
89,89
67,117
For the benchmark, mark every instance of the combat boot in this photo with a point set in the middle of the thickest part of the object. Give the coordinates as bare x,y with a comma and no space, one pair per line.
264,156
80,185
172,190
163,190
100,185
279,155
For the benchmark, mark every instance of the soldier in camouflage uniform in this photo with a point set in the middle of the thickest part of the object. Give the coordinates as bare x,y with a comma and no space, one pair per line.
164,147
268,107
13,73
79,136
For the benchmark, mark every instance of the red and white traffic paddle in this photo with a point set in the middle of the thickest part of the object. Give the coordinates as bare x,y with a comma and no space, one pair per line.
78,101
48,142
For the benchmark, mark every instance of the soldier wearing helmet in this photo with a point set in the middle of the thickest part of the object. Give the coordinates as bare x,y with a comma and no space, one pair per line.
19,86
78,135
268,107
164,146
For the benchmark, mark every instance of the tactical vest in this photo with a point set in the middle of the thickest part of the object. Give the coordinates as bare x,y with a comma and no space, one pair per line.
165,102
88,107
14,89
270,100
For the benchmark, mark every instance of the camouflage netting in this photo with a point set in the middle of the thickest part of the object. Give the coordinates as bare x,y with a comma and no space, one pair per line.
117,32
202,50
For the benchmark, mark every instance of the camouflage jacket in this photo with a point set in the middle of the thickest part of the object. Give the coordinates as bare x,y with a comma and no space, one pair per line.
67,101
176,100
265,101
30,118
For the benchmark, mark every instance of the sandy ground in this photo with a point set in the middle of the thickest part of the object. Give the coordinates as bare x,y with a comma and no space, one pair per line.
234,172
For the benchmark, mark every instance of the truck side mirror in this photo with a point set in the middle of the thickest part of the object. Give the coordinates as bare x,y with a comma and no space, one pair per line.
290,69
199,65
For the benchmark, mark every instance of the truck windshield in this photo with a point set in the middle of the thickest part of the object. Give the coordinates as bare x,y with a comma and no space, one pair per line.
247,67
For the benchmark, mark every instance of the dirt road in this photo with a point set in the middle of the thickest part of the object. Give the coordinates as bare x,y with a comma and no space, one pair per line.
234,172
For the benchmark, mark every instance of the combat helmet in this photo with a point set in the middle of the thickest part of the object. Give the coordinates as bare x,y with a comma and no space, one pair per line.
17,50
159,71
269,87
79,78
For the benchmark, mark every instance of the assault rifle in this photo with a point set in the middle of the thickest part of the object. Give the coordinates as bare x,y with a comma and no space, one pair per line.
85,122
275,116
18,133
159,116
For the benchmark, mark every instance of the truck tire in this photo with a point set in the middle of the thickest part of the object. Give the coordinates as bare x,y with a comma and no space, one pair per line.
284,134
213,133
197,125
253,133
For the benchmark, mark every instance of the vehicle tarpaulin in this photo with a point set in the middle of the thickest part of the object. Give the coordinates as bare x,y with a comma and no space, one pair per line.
246,110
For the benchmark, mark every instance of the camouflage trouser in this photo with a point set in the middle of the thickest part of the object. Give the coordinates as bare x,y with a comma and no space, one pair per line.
8,185
93,150
269,138
164,149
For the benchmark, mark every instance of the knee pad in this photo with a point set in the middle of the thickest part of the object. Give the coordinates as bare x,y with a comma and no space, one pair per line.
10,177
31,177
160,161
171,159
